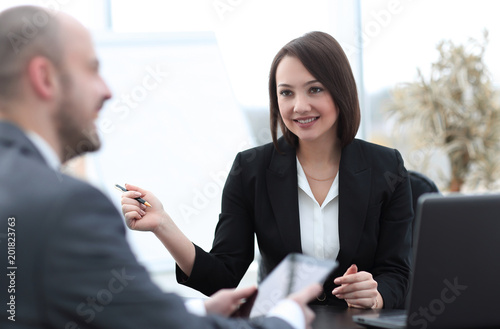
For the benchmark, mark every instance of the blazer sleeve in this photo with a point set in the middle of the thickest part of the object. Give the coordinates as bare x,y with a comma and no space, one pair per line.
233,245
391,267
91,279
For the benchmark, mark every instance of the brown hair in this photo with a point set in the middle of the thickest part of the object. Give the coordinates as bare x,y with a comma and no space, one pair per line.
26,32
323,57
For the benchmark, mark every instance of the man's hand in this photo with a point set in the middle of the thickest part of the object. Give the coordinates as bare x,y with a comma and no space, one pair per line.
305,296
226,301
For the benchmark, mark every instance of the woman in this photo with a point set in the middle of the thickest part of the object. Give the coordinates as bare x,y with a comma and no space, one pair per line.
316,190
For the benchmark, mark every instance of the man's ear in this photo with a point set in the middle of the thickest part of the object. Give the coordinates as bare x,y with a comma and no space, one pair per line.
43,77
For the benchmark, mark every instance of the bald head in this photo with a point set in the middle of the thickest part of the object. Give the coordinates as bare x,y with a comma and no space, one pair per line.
49,78
26,32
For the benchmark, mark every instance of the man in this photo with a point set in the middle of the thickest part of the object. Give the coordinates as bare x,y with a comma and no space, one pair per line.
68,263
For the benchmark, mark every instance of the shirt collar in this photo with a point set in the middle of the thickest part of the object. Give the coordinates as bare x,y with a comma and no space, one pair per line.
47,152
304,185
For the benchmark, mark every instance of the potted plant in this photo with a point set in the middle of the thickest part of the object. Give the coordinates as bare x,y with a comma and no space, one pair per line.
455,111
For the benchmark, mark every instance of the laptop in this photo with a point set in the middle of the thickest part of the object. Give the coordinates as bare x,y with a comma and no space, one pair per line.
293,273
455,281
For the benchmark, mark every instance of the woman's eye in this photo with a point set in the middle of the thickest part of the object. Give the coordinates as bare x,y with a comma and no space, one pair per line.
315,90
285,93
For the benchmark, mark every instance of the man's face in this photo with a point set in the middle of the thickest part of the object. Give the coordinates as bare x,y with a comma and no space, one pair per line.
83,93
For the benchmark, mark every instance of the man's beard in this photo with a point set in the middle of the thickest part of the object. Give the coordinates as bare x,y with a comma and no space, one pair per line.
75,139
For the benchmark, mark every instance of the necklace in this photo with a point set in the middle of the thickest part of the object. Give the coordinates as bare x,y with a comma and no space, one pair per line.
319,180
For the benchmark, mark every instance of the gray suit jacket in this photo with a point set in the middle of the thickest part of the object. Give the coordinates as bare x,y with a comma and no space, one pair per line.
74,268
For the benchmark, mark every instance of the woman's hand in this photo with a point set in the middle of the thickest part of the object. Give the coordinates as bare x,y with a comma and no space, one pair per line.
138,216
142,218
358,289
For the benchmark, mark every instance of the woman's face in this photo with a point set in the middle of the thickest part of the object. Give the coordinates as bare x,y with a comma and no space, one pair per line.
307,108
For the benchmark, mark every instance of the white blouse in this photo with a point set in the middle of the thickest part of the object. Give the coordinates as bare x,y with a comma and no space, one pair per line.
319,225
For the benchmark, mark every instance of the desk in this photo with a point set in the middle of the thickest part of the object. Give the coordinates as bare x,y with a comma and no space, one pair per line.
328,317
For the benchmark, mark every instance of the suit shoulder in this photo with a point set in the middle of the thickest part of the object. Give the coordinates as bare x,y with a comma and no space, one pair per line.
266,152
377,156
372,149
369,146
258,151
256,158
64,185
49,188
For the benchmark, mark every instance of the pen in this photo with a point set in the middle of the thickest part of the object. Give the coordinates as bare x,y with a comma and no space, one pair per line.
141,200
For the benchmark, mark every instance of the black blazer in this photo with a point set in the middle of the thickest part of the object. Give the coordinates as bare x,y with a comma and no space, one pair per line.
74,265
261,197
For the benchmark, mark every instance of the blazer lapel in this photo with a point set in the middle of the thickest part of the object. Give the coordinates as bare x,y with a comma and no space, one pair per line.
282,188
354,194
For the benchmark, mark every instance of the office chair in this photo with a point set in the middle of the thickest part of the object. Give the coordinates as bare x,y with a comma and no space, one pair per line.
420,185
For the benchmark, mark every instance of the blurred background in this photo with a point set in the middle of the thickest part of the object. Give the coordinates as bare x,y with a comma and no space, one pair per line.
189,82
